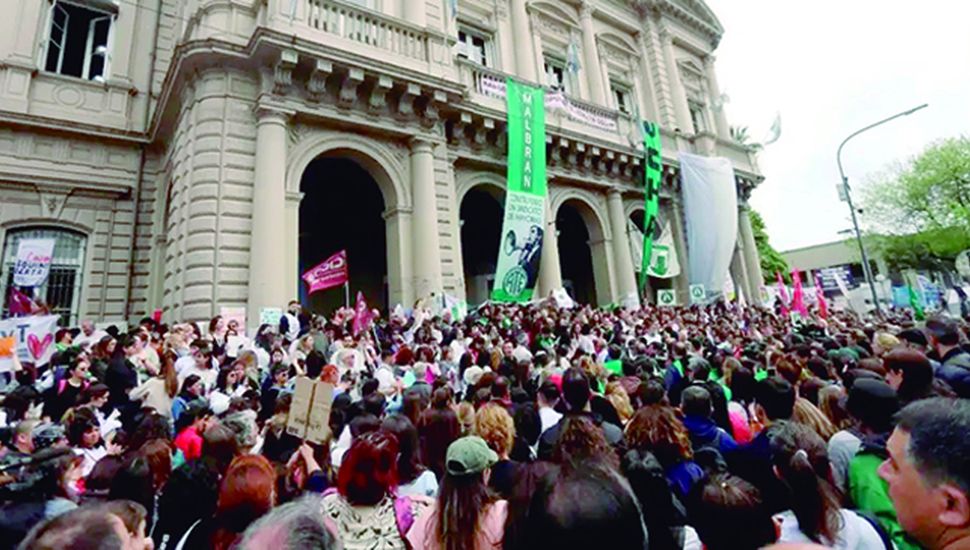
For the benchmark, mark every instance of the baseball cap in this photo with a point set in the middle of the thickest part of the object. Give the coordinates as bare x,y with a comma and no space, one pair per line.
469,455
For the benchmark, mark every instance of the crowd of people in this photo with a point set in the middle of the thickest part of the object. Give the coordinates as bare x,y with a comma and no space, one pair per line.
517,426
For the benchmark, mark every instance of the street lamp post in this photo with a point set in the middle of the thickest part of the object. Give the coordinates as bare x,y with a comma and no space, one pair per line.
867,272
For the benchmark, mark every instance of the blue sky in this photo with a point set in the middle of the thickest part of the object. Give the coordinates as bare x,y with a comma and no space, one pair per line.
830,67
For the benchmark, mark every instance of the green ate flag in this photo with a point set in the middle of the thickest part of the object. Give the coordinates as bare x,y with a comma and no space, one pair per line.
652,172
517,268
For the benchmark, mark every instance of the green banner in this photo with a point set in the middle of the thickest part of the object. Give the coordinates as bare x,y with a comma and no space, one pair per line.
525,199
652,170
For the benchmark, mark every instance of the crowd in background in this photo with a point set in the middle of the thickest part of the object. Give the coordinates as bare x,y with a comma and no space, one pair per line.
517,426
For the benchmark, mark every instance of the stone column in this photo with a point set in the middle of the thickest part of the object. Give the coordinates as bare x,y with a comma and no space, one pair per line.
682,281
550,274
626,280
739,274
594,72
650,105
679,96
267,252
522,38
424,247
720,119
415,11
751,258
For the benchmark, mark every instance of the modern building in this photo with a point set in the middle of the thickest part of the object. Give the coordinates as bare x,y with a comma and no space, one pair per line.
842,255
193,154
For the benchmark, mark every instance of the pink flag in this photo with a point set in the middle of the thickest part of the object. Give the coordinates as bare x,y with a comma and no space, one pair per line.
20,303
332,272
782,294
798,300
362,315
823,306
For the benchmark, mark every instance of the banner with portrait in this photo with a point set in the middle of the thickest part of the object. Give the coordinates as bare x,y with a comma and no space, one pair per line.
520,249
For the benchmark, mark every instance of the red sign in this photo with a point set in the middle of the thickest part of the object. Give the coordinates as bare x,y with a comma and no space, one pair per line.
332,272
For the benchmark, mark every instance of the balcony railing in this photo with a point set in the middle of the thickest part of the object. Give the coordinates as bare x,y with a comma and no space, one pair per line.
346,26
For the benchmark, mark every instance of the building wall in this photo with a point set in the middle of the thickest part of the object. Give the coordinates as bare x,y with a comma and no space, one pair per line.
157,163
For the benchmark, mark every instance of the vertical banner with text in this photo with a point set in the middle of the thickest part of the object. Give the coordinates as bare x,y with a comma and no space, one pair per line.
525,200
652,171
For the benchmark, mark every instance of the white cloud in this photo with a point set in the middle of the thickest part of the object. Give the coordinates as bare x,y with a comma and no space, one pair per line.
831,67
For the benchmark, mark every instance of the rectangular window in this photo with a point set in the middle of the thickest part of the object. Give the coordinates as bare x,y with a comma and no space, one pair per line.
622,97
61,292
697,117
557,77
474,46
78,40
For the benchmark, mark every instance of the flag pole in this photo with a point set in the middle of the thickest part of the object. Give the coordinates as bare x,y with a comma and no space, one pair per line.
347,294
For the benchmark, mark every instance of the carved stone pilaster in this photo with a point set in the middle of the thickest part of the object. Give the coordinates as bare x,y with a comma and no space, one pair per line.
283,71
430,113
317,85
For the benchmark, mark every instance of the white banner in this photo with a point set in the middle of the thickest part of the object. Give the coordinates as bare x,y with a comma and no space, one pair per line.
33,339
556,100
33,262
664,263
711,209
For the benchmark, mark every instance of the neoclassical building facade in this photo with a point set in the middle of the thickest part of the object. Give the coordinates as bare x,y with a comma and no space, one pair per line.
188,155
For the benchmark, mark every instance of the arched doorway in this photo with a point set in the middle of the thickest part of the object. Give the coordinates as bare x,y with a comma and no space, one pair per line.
575,254
481,229
342,209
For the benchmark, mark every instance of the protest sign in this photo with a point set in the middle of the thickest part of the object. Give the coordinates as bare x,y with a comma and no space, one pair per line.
666,297
270,316
309,416
34,339
517,269
33,262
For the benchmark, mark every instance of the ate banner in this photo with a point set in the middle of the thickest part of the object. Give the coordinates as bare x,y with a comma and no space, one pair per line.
33,262
32,338
525,199
652,172
332,272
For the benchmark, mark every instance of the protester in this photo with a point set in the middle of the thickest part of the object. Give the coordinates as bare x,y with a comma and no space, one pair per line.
586,420
927,471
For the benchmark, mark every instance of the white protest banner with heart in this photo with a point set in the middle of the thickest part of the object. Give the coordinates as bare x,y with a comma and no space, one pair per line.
34,337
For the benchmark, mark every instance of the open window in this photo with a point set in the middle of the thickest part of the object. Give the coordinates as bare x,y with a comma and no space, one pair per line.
79,38
622,97
474,46
557,77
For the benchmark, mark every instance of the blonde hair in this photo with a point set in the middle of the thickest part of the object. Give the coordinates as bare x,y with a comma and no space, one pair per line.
494,424
620,401
466,417
810,416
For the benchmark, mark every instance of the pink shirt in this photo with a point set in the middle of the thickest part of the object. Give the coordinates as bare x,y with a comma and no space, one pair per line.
491,528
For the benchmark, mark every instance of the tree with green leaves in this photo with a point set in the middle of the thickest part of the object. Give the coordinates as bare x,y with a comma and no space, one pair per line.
917,213
771,260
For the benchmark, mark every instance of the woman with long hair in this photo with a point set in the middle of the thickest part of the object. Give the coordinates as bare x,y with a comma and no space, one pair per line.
801,461
192,389
658,429
438,427
466,515
158,392
247,492
363,508
413,477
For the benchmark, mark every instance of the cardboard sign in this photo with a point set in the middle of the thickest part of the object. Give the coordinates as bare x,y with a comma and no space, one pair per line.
237,314
270,316
309,416
33,262
34,337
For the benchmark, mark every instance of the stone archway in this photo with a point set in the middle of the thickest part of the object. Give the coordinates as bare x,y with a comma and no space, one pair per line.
358,186
584,251
481,213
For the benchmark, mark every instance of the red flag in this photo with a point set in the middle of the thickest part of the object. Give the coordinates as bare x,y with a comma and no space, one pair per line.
332,272
782,294
823,307
362,315
798,300
20,303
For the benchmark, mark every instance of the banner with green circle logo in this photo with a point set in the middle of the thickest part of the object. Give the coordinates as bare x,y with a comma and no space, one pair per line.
520,250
